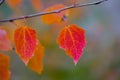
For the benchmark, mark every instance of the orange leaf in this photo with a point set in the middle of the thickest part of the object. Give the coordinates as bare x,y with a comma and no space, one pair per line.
25,41
4,67
55,17
5,43
36,62
14,3
37,4
72,39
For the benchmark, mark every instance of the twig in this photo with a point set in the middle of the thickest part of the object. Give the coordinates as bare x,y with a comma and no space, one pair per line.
55,11
1,2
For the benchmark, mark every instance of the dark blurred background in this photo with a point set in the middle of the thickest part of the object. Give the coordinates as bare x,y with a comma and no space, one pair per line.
101,57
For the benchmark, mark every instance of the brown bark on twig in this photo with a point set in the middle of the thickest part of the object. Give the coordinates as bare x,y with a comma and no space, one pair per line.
55,11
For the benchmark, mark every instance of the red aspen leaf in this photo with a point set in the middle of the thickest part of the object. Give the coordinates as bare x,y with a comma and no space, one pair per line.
25,41
36,62
5,43
55,17
4,67
72,39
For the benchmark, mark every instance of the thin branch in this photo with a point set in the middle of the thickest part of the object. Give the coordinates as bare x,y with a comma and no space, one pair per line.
1,2
55,11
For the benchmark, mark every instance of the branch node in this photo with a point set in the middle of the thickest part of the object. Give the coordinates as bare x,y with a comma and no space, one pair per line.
57,11
11,20
26,17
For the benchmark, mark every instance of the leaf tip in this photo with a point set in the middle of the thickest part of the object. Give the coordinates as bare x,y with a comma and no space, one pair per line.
75,62
25,62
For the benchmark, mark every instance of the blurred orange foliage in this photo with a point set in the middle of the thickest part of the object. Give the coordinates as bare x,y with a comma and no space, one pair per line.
14,3
4,67
5,43
36,62
37,4
55,17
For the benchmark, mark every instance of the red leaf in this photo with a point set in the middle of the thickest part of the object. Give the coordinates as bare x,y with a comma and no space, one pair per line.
72,39
25,41
5,43
36,62
4,67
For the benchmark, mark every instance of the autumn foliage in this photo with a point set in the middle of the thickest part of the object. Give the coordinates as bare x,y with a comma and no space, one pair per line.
71,38
37,4
55,17
5,43
25,41
36,62
4,67
14,3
